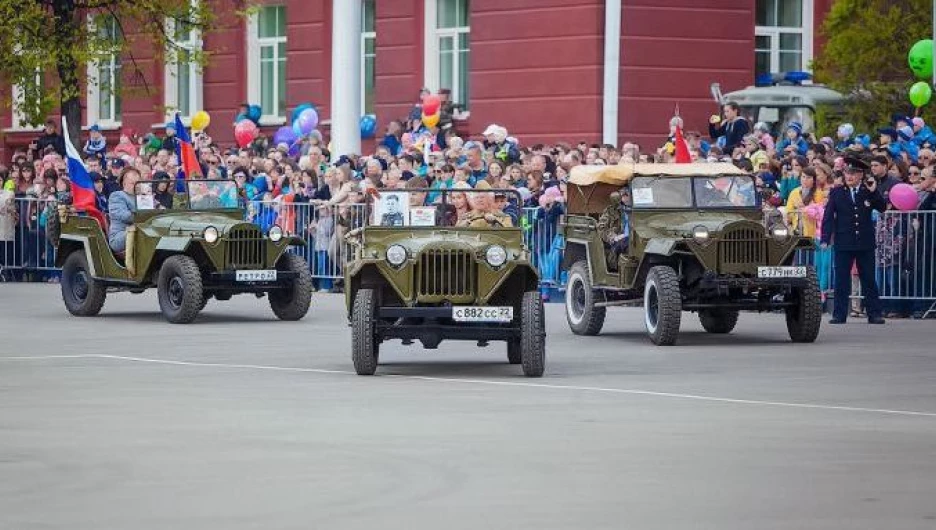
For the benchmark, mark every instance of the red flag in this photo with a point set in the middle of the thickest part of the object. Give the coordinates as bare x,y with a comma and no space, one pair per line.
682,148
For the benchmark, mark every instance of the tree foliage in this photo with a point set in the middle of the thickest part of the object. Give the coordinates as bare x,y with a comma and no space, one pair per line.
56,39
865,55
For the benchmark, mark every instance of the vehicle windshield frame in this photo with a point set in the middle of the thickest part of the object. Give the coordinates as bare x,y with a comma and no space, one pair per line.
692,181
371,195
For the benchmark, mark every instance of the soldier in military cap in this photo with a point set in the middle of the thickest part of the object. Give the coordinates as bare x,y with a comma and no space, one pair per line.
483,212
848,225
392,215
613,225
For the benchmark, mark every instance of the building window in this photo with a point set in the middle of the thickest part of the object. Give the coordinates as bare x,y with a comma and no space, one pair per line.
447,48
183,73
783,36
104,86
369,59
26,98
267,65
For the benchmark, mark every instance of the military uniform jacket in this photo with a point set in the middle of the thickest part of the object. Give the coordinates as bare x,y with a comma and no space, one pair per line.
392,219
848,224
610,223
476,219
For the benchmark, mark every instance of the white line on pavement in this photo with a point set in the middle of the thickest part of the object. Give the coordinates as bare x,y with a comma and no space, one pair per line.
694,397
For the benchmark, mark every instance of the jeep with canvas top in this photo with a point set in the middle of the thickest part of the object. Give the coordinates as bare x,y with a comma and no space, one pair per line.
696,241
418,273
200,249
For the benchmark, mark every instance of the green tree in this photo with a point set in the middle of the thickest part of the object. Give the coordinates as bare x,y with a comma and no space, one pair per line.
865,55
52,41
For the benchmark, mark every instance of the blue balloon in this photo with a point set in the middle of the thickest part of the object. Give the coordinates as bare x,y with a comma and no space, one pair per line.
241,117
368,126
296,129
308,121
298,110
284,135
254,112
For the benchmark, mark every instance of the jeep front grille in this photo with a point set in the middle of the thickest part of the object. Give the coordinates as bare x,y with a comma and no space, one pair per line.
446,275
742,246
244,248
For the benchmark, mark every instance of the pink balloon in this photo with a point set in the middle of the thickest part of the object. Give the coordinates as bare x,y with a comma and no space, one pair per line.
904,197
245,131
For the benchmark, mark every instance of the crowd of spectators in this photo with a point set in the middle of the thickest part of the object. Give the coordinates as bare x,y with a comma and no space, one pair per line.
793,173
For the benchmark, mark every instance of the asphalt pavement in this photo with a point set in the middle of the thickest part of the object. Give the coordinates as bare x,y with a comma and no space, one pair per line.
239,421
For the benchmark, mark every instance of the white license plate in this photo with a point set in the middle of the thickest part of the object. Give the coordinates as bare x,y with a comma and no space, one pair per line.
781,272
255,276
482,314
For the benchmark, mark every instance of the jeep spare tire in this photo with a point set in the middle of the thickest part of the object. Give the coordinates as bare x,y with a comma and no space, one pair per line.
83,295
718,320
581,314
662,305
292,301
179,288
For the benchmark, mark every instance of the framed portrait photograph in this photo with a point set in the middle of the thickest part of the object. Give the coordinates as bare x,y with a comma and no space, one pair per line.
392,209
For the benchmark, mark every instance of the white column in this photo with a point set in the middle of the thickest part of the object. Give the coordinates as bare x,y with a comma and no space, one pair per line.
346,77
612,69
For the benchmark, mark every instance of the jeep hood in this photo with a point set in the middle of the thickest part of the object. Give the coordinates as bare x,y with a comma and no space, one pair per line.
681,224
196,222
416,240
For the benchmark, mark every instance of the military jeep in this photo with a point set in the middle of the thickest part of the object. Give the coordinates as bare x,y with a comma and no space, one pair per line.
697,242
417,275
199,248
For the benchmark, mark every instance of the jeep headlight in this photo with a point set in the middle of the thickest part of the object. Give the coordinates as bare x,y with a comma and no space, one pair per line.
780,232
495,256
700,234
275,233
396,255
210,234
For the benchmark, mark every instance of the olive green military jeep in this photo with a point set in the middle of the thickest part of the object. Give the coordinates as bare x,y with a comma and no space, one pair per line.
417,275
199,249
696,242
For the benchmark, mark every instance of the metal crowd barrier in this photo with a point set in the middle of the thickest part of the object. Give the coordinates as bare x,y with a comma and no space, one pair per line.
906,241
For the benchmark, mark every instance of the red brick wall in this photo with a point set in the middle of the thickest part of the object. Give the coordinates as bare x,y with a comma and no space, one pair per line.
536,68
671,50
399,59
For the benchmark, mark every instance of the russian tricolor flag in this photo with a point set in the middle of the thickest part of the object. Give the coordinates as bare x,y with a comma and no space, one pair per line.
188,162
83,194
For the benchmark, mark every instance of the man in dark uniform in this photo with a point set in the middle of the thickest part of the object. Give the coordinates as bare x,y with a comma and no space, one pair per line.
848,225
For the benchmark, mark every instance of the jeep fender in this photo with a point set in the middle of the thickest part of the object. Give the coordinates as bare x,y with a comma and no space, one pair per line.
660,246
174,244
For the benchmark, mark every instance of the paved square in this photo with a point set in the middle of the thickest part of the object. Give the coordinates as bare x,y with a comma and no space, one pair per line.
241,421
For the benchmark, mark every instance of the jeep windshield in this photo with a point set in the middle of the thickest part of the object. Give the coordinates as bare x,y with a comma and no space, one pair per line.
718,192
187,195
427,207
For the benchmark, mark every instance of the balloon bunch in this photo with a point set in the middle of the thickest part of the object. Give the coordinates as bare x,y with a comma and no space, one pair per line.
431,109
246,124
920,59
304,120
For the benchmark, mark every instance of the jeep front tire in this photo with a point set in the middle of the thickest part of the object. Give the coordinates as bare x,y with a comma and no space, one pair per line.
365,349
83,295
292,302
179,288
581,314
662,305
804,318
532,335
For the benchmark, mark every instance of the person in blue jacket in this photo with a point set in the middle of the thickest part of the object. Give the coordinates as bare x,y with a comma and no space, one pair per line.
922,133
905,139
845,134
793,143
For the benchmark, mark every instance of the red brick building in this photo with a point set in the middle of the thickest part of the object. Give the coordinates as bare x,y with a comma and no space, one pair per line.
545,69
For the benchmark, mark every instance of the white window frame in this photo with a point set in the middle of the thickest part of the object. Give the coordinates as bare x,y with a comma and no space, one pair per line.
432,35
254,43
365,36
806,31
93,109
171,77
17,121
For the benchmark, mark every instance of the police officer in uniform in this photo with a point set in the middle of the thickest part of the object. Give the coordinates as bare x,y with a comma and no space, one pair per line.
848,225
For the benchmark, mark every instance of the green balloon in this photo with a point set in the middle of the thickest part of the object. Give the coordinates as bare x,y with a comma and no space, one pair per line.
920,59
920,93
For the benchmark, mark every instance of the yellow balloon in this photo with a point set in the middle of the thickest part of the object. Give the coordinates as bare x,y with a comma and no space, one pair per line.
430,120
200,120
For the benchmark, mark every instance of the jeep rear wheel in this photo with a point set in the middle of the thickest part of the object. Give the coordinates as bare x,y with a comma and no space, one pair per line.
581,314
662,305
532,335
365,350
179,287
805,317
83,295
292,302
718,320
